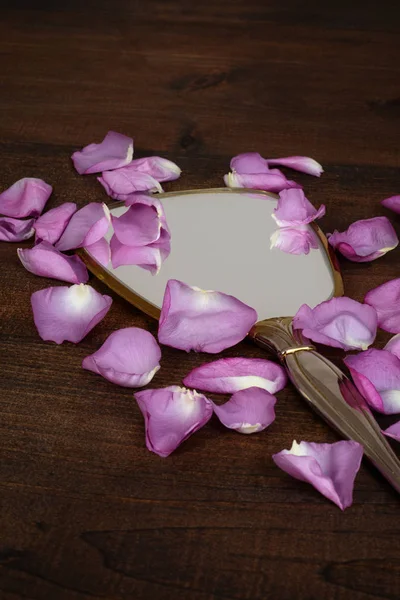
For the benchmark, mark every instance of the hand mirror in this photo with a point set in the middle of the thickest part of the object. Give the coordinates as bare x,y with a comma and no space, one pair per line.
220,240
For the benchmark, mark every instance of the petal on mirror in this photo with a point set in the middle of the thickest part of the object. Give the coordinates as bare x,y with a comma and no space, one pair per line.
294,240
376,374
148,257
248,411
140,225
269,182
230,375
385,299
121,183
294,209
68,313
100,251
393,203
202,320
50,226
44,260
329,468
339,322
25,198
129,357
365,240
305,164
86,226
16,230
115,151
171,415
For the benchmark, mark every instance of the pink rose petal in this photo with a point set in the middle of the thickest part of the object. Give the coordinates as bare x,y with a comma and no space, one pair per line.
140,225
148,257
269,182
385,299
248,411
305,164
171,415
129,357
393,345
44,260
230,375
376,374
294,240
330,468
25,198
85,227
101,251
339,322
68,313
365,240
156,166
50,226
248,163
16,230
122,183
149,200
294,209
393,203
205,321
115,151
393,431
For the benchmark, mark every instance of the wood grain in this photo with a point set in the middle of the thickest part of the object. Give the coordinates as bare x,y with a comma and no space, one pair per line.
86,510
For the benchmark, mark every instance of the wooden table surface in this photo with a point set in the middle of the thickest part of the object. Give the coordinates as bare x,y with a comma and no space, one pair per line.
86,510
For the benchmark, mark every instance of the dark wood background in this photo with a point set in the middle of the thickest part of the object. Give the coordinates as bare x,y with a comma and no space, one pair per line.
86,510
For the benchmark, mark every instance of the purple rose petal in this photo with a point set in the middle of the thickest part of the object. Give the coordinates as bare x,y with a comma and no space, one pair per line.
393,345
393,203
269,182
305,164
68,313
376,374
249,163
148,257
115,151
86,226
16,230
330,468
385,299
25,198
156,166
365,240
339,322
50,226
248,411
44,260
100,251
129,357
230,375
205,321
171,415
393,431
122,183
294,209
140,225
294,240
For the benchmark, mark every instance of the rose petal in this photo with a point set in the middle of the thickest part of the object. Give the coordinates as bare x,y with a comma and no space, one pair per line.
393,431
393,203
305,164
50,226
16,230
376,374
44,260
68,313
295,209
249,162
129,357
365,240
85,227
25,198
248,411
270,182
294,240
385,299
115,151
121,183
393,345
149,200
330,468
156,166
171,415
140,225
230,375
339,322
148,257
101,251
205,321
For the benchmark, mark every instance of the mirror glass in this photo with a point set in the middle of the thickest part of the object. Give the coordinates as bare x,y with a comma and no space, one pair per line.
220,240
